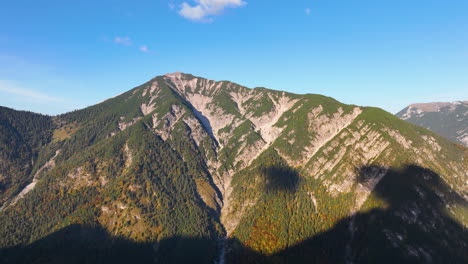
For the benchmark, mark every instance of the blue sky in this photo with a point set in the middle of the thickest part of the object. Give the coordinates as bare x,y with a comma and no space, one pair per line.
61,55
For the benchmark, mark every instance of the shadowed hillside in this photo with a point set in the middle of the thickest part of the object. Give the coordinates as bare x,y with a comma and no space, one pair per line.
414,227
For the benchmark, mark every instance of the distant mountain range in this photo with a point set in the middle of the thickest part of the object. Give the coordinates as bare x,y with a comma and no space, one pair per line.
183,169
447,119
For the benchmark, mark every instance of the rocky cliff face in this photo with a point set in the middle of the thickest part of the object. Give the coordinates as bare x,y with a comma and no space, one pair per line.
447,119
255,175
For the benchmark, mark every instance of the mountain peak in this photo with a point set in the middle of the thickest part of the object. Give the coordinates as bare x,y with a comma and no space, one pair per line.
182,156
174,74
435,106
445,118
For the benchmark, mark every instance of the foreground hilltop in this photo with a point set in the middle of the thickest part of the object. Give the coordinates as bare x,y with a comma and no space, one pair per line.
447,119
220,171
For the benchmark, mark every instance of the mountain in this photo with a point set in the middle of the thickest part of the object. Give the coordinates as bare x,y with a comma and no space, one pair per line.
22,136
184,169
447,119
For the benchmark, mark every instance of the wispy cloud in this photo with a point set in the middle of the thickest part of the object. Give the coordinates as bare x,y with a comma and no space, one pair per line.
204,9
39,97
14,67
307,11
172,5
144,49
126,41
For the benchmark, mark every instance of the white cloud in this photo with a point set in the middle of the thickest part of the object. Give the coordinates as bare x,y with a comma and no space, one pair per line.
307,11
144,48
12,88
207,8
123,40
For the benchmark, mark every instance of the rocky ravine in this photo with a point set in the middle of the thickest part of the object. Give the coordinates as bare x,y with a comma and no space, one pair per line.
337,141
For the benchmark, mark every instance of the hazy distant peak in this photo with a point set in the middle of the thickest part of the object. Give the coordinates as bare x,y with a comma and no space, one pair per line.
435,106
445,118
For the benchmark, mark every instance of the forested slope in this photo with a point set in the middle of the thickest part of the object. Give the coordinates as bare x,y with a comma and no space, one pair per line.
222,171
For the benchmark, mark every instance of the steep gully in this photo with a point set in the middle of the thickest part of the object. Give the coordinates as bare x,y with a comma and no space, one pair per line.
224,188
265,125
